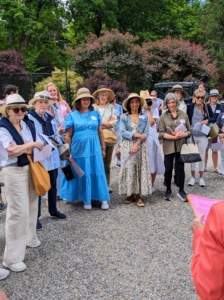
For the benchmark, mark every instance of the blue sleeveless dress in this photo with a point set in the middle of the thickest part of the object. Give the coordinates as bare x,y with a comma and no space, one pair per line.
86,152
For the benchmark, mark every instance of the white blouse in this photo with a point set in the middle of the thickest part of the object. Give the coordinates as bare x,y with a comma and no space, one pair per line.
6,138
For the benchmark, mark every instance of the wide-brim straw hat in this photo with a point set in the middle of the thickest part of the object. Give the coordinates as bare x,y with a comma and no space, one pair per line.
133,95
214,92
145,94
178,87
83,93
41,96
12,100
103,88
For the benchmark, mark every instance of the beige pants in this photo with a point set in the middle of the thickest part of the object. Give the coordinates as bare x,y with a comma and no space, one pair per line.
21,216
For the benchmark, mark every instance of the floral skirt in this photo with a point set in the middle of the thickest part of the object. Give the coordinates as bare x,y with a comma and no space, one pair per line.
134,177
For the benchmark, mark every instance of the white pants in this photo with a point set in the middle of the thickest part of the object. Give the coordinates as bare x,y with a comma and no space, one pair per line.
202,142
21,216
222,161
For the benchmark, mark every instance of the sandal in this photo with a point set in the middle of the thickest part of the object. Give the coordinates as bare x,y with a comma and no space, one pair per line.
141,203
218,171
129,199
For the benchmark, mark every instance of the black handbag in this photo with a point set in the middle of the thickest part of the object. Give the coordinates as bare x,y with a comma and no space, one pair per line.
68,172
189,153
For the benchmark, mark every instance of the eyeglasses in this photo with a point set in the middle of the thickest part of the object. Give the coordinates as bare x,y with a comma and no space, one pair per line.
200,97
44,97
17,110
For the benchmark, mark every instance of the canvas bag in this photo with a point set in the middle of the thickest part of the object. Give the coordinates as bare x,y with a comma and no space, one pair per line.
189,153
40,176
64,151
214,129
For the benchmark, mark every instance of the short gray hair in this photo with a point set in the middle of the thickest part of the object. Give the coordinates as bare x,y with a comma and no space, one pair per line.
168,97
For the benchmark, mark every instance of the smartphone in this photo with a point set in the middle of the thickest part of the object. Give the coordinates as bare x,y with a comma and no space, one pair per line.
54,140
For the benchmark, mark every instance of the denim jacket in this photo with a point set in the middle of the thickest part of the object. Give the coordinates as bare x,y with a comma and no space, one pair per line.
53,162
142,128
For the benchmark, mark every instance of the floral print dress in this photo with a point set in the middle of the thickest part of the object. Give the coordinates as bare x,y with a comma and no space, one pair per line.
134,177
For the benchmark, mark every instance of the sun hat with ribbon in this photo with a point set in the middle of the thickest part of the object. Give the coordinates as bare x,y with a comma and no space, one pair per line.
43,95
178,87
145,94
133,95
12,100
103,88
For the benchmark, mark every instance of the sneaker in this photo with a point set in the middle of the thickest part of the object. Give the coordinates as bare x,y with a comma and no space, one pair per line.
4,273
192,181
182,195
58,216
87,206
1,207
38,226
201,181
34,245
110,190
118,165
104,205
153,189
168,195
17,267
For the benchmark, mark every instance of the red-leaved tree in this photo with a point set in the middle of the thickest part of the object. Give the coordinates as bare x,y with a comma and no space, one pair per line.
12,62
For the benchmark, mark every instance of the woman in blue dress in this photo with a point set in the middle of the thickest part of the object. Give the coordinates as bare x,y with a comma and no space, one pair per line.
85,136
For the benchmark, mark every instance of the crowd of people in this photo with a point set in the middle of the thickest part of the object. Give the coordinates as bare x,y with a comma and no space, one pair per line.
93,129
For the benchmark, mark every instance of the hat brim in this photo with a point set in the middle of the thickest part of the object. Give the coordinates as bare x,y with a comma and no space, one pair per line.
185,94
142,102
32,101
111,96
85,96
3,108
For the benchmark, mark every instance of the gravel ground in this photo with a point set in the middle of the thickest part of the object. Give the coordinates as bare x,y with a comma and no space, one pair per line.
126,252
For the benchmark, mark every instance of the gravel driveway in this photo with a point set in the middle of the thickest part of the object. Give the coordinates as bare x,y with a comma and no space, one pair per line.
126,252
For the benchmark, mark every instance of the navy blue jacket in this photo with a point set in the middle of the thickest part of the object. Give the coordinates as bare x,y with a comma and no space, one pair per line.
211,117
218,109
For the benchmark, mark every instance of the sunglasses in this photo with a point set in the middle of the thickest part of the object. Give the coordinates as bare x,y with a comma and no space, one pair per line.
17,110
44,97
214,96
200,97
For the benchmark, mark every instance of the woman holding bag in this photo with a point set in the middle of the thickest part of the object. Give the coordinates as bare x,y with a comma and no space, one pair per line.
172,143
201,113
107,112
18,137
45,124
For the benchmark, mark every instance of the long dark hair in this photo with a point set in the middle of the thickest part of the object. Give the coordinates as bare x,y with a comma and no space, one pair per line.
129,106
77,105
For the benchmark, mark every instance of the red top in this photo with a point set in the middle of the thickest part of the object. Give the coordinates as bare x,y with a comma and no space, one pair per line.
208,260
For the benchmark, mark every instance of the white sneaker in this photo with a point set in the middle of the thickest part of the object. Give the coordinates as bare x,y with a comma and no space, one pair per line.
4,273
153,189
17,267
34,245
87,206
104,205
192,181
201,181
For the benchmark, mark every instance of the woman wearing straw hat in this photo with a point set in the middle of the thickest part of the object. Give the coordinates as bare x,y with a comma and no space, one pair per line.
84,134
134,177
152,142
217,108
107,112
46,124
178,90
18,137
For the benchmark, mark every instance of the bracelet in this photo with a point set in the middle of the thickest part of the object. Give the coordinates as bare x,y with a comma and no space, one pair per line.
103,148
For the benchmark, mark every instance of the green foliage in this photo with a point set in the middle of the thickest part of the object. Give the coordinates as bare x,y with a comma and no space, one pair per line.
59,79
212,29
35,28
120,57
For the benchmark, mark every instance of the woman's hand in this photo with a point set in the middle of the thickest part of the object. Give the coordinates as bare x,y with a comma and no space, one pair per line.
37,145
178,135
104,153
142,138
204,122
197,222
60,129
134,148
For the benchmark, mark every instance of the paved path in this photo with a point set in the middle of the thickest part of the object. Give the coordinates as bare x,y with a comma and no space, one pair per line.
126,252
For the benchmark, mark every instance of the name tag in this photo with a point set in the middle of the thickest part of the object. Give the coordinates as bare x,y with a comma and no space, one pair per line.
218,111
142,117
222,117
93,118
182,121
63,107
